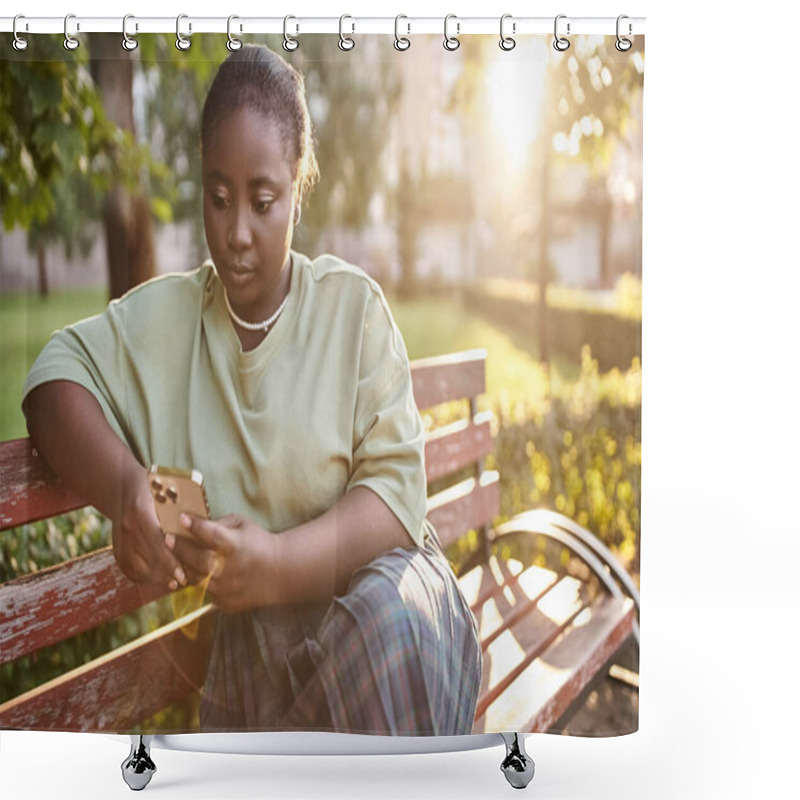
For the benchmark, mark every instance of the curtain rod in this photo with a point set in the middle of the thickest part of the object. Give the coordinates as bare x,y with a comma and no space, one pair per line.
298,25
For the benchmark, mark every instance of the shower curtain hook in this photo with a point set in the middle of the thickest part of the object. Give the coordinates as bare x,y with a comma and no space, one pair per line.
70,42
559,42
346,42
19,43
233,43
622,44
182,43
506,42
128,42
401,42
290,44
451,43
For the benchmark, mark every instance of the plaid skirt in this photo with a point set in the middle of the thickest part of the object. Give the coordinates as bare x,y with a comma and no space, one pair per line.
397,654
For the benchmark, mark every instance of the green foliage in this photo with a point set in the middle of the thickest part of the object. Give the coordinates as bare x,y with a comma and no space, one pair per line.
53,131
581,457
30,548
60,152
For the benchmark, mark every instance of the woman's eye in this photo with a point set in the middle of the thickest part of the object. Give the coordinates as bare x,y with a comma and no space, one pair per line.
262,206
219,201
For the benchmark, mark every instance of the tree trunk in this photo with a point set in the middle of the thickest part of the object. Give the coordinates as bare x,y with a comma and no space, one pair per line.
130,250
544,263
606,219
41,264
407,226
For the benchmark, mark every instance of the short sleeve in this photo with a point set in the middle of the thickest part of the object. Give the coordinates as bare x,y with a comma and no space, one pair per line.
388,438
86,353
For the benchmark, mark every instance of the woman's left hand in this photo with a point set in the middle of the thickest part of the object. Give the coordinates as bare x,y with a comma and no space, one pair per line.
240,557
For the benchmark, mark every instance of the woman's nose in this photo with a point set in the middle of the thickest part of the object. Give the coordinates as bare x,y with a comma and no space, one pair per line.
240,236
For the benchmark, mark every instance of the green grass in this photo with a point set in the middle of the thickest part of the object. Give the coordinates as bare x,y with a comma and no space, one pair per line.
26,322
513,372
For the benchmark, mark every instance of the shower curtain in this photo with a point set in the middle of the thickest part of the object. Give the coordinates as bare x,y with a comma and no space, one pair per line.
480,198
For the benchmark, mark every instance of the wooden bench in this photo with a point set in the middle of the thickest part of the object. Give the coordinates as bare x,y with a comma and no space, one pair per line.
545,637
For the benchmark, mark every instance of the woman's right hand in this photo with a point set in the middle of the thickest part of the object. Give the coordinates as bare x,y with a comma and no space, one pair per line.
70,430
141,549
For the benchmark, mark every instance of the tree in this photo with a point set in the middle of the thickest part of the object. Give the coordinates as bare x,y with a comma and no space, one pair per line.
130,252
62,153
593,91
53,132
352,110
587,108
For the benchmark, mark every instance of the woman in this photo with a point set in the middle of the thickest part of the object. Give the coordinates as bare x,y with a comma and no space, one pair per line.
286,383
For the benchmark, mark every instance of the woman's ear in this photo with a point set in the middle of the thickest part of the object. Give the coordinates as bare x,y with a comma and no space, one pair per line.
297,213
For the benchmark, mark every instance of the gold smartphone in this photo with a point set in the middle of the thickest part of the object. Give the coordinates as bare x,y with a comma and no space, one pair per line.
176,491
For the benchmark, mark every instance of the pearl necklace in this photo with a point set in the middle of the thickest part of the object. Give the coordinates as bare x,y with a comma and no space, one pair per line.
254,326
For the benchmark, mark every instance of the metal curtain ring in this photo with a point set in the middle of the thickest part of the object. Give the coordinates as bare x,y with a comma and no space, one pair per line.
622,44
451,42
559,42
128,42
19,43
233,43
506,42
345,42
181,42
401,42
290,44
70,42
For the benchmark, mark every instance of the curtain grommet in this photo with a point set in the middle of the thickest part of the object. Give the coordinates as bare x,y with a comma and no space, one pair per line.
622,44
70,42
129,43
19,43
233,44
290,43
401,43
346,43
182,42
451,43
507,43
560,43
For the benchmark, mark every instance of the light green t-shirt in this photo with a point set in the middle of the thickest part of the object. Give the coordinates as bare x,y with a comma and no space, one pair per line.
280,432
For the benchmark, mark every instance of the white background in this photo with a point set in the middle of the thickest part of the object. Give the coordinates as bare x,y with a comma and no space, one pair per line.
720,629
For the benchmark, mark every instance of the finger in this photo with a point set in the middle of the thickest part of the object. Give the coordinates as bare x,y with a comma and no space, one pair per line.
208,533
193,558
165,567
137,569
231,520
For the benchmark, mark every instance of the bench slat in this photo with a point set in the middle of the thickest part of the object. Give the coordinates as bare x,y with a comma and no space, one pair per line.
520,644
445,378
469,504
28,489
552,681
456,446
117,691
49,606
485,581
513,599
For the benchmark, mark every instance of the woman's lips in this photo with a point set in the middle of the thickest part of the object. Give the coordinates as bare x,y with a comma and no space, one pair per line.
240,276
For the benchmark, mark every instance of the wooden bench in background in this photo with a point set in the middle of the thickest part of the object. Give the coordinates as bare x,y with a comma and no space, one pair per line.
544,636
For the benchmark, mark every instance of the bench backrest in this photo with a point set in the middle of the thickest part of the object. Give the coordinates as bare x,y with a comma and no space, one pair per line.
54,604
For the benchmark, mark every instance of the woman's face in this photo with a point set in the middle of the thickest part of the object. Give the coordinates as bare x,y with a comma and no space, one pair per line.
248,210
